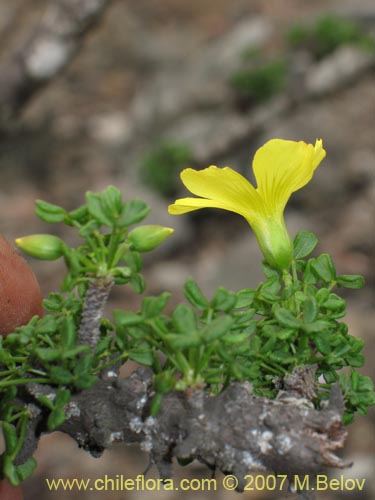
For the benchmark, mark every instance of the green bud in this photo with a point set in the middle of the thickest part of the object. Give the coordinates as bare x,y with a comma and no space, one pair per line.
147,237
41,246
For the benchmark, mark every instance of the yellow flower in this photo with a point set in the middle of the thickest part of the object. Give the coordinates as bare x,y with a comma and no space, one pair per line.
280,168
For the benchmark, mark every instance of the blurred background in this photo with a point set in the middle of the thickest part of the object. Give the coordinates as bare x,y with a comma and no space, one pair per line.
156,86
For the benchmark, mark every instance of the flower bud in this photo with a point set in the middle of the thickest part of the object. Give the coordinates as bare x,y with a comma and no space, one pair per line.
41,246
147,237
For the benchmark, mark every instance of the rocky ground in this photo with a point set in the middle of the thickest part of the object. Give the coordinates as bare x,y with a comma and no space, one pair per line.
159,71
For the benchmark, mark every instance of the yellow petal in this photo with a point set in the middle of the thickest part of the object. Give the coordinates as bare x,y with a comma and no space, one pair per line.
282,167
185,205
219,188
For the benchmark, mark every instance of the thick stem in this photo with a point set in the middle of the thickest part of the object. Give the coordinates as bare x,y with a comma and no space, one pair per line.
93,309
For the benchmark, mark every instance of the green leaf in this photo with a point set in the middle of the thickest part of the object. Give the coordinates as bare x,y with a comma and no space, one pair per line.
68,332
310,310
138,283
194,295
62,397
334,303
134,211
46,401
223,300
49,212
55,418
74,351
164,382
95,208
323,267
111,202
47,354
322,343
91,226
236,338
10,471
217,328
286,318
46,325
53,302
26,469
184,319
152,306
245,297
85,381
180,341
10,436
317,326
142,354
134,261
126,318
60,375
304,243
80,214
355,360
350,281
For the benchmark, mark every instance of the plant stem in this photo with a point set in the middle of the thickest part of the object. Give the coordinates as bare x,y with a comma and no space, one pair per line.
95,300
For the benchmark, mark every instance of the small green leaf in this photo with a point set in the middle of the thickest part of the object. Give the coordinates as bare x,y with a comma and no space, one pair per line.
10,471
245,297
134,261
46,401
355,360
46,325
91,226
111,202
152,306
47,354
322,344
323,267
68,332
85,381
134,211
286,333
310,310
26,469
62,397
317,326
55,418
350,281
180,341
223,300
60,375
95,208
10,436
138,283
304,243
80,214
236,338
184,319
286,318
126,318
164,382
217,328
334,303
49,212
194,295
142,353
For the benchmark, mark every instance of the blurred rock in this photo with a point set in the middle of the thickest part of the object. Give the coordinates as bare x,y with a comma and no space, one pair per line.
338,69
